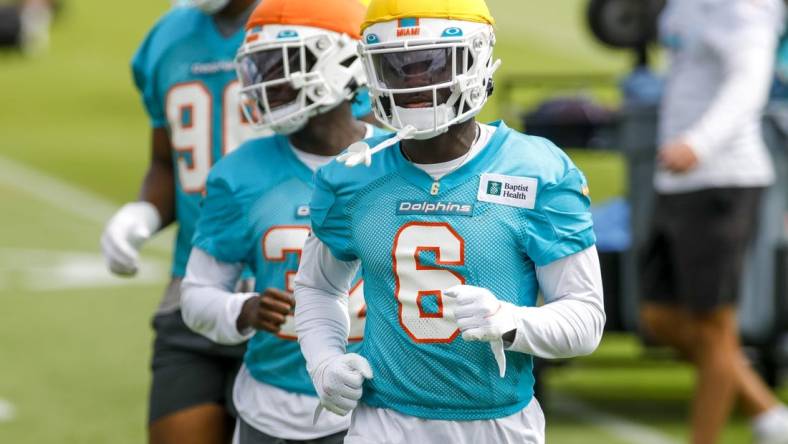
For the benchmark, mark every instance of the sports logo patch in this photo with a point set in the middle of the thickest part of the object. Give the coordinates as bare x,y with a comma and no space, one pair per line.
408,27
287,34
452,32
508,190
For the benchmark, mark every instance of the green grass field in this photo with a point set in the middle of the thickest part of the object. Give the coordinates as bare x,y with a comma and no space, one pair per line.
75,343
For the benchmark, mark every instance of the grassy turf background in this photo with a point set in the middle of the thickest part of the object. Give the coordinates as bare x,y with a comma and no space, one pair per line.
74,362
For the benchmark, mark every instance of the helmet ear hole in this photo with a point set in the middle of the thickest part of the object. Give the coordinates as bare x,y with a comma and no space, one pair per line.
349,61
310,61
490,87
385,103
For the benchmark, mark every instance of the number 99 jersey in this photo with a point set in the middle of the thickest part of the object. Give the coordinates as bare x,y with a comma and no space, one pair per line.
185,73
520,203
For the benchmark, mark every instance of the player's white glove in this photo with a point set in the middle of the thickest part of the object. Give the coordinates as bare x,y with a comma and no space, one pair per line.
125,233
338,382
481,316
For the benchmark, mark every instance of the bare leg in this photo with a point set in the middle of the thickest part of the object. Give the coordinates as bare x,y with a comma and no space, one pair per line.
671,326
711,343
717,357
203,424
755,396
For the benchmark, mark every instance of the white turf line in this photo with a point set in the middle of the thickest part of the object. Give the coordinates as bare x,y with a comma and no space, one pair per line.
7,411
67,197
69,270
91,207
616,426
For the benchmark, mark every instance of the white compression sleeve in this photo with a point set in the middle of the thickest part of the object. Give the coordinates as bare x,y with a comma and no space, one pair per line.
746,52
208,304
321,293
571,321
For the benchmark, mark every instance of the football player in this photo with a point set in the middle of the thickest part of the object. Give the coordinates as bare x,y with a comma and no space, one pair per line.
299,69
457,225
185,74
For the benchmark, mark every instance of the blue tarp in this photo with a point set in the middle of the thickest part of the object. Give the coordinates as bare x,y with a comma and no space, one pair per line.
612,225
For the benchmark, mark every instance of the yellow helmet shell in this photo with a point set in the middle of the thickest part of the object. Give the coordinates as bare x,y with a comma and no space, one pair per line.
463,10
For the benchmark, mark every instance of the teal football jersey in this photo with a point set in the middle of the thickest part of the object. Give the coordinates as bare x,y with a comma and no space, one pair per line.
519,204
256,211
185,73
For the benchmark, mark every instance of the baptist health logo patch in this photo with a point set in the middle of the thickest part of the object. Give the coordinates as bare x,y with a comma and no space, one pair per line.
508,190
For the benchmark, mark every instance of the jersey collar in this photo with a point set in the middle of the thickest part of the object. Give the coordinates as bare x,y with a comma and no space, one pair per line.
471,169
302,171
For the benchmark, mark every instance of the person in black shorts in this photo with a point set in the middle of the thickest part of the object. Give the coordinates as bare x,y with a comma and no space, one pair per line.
713,167
185,74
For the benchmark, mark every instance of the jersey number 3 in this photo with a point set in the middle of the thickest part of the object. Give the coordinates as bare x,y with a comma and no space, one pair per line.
282,240
423,311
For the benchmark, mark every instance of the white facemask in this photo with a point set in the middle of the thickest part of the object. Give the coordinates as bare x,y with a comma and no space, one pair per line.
425,119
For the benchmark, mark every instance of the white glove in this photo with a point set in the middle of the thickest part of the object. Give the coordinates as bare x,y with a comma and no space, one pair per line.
125,233
481,316
338,382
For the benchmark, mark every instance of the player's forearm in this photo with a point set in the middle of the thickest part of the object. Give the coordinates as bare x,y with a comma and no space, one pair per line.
158,185
321,293
559,330
573,318
322,325
208,304
157,188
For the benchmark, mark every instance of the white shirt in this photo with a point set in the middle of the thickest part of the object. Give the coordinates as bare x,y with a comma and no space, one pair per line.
372,425
721,69
438,170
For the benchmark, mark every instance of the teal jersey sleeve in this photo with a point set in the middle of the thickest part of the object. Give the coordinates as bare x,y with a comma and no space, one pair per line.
222,229
335,186
329,223
143,68
561,223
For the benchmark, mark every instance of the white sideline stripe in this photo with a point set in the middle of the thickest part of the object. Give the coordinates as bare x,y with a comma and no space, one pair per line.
616,426
68,270
67,197
7,411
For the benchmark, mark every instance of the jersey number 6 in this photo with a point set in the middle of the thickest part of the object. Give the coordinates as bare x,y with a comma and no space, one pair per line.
423,311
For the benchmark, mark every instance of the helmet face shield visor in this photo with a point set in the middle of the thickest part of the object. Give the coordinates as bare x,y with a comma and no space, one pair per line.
419,78
269,65
414,69
290,73
266,80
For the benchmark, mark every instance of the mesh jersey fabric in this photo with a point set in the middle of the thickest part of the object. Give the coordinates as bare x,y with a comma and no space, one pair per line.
422,366
256,212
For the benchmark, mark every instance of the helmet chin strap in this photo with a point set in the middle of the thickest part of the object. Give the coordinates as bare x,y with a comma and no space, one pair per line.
416,120
360,152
